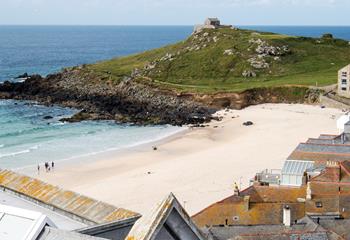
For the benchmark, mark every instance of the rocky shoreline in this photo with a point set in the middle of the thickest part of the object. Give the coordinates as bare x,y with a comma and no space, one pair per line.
126,101
132,101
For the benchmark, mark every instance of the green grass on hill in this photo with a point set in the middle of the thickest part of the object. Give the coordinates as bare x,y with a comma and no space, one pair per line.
198,64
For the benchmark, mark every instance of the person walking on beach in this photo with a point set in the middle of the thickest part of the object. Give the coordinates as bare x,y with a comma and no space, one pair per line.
52,165
38,169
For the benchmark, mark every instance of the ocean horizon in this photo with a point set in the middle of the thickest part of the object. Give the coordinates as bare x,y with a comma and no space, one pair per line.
27,137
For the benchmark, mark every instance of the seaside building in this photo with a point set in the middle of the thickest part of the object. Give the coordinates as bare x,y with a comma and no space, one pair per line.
308,199
34,210
210,23
293,172
312,200
268,177
344,82
254,206
328,194
169,220
306,228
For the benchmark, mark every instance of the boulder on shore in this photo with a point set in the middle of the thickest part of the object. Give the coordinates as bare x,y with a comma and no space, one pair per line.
24,75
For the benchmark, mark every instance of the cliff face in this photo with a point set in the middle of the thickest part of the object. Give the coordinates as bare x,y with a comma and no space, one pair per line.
126,101
286,94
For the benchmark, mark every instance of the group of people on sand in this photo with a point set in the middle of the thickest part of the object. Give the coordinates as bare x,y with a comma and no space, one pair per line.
48,167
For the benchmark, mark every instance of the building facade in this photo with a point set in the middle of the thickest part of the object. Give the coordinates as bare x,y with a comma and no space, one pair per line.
210,23
215,22
344,82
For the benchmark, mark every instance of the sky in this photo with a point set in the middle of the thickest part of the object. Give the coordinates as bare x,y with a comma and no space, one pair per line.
174,12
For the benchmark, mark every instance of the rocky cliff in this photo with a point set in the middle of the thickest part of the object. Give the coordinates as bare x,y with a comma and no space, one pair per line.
186,82
135,102
126,101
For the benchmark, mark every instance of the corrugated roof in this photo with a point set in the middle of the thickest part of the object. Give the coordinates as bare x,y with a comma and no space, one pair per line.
296,167
86,209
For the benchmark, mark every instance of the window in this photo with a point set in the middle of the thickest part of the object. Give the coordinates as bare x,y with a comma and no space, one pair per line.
344,81
343,88
344,74
318,204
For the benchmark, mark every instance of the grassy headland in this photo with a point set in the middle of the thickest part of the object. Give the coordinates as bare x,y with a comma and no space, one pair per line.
232,60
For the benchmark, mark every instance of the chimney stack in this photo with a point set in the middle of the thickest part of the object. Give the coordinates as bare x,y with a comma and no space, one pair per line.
236,190
308,191
286,216
246,200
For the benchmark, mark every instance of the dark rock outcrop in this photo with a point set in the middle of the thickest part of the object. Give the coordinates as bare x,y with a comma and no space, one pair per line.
24,75
132,101
126,101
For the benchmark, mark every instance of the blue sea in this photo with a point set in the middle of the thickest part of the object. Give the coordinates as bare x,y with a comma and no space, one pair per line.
26,138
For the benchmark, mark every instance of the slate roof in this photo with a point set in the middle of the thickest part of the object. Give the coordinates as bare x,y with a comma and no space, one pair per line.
328,136
322,149
304,229
321,152
339,227
320,141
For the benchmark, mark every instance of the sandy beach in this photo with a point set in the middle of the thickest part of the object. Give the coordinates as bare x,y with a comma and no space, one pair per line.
201,165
